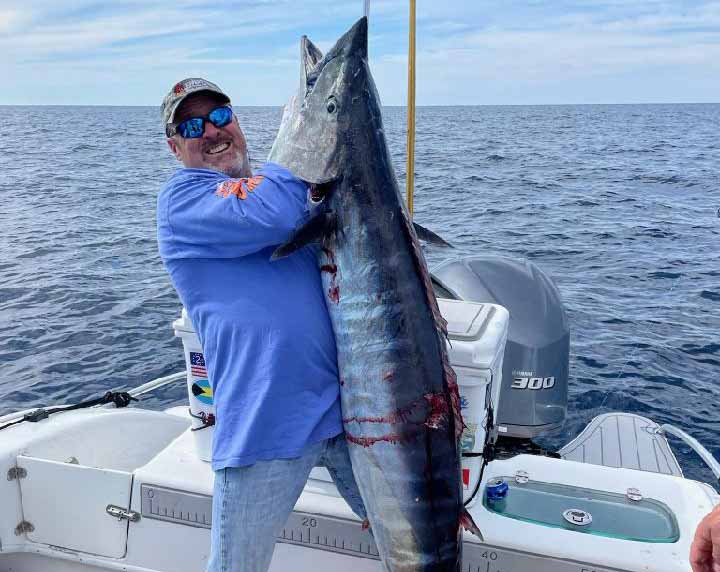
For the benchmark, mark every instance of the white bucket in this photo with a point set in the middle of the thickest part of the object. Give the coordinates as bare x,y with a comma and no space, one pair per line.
200,394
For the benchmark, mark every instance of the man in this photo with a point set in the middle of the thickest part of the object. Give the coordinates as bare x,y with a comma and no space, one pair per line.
264,327
705,549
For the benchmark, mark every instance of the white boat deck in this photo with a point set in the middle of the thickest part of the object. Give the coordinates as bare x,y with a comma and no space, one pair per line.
73,461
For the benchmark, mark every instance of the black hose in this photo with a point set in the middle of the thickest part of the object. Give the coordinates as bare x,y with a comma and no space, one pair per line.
119,398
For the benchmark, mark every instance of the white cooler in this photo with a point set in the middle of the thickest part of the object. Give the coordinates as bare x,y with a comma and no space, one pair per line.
477,335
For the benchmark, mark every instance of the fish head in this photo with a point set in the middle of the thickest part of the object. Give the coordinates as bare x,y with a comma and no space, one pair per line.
310,55
335,99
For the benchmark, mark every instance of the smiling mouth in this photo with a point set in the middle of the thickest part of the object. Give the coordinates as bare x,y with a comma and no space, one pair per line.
219,148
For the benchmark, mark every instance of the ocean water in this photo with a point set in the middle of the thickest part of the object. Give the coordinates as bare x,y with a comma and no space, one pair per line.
619,204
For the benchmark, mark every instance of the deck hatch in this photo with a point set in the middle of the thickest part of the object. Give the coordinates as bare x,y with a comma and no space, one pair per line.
66,504
589,511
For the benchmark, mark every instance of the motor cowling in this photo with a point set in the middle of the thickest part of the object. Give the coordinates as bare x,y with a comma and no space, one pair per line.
534,391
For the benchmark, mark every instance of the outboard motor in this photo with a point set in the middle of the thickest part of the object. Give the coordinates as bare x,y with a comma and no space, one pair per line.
534,393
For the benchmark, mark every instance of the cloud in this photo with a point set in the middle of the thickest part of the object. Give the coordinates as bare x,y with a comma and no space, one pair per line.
468,51
574,57
11,19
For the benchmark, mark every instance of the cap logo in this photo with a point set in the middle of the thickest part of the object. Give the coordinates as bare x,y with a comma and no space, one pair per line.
178,88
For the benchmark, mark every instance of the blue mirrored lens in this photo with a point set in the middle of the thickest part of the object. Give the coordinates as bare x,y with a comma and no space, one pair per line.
195,127
220,116
192,128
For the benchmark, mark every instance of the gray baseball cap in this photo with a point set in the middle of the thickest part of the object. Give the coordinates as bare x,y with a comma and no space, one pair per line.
180,91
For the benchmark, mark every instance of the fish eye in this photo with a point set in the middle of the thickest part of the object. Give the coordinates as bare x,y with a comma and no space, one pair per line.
331,105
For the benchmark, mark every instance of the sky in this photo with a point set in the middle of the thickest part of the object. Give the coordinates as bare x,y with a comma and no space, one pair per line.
469,52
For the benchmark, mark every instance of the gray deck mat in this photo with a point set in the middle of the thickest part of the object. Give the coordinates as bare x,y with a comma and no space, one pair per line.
623,440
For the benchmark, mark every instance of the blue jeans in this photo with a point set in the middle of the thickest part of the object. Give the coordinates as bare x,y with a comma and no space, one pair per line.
251,504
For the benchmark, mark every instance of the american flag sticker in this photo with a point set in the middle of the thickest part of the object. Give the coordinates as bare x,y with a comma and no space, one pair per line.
466,478
197,365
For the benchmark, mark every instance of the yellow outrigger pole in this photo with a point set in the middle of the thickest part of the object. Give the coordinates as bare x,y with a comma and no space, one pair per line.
410,168
410,182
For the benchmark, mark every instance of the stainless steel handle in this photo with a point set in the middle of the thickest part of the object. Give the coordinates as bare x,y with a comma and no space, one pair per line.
122,513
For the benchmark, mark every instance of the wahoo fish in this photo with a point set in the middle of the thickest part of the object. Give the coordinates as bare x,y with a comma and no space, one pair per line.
399,395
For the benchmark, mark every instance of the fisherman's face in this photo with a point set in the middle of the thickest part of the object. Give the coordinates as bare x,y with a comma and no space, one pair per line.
220,149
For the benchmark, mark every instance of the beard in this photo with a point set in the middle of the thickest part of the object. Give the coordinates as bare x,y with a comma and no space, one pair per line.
239,168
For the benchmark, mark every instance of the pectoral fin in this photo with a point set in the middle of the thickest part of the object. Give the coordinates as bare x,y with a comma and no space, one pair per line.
312,231
429,236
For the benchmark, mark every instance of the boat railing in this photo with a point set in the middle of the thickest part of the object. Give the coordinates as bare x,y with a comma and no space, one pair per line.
135,392
158,383
695,445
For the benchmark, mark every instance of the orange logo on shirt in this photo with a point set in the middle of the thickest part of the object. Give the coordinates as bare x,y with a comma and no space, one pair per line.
238,187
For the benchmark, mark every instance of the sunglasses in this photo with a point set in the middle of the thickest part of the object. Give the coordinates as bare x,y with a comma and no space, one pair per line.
194,127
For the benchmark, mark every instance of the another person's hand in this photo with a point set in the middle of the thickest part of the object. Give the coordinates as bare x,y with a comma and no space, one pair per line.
705,549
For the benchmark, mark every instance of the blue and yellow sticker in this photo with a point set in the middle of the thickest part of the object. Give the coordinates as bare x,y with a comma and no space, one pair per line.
203,391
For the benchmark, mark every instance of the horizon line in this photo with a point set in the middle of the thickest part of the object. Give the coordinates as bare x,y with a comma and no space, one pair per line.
390,105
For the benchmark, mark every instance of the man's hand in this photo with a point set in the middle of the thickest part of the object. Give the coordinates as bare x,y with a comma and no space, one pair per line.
705,549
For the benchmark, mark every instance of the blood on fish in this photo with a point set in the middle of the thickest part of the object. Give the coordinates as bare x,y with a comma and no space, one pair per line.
329,253
454,399
392,438
438,409
399,416
331,268
441,325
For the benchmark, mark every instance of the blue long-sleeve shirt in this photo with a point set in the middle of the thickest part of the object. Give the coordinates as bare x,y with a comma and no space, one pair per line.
264,327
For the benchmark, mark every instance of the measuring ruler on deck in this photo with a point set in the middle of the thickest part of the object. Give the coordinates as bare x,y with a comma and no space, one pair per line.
347,537
344,536
328,533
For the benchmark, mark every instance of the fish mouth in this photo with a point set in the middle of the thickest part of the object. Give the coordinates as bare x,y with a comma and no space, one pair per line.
321,190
